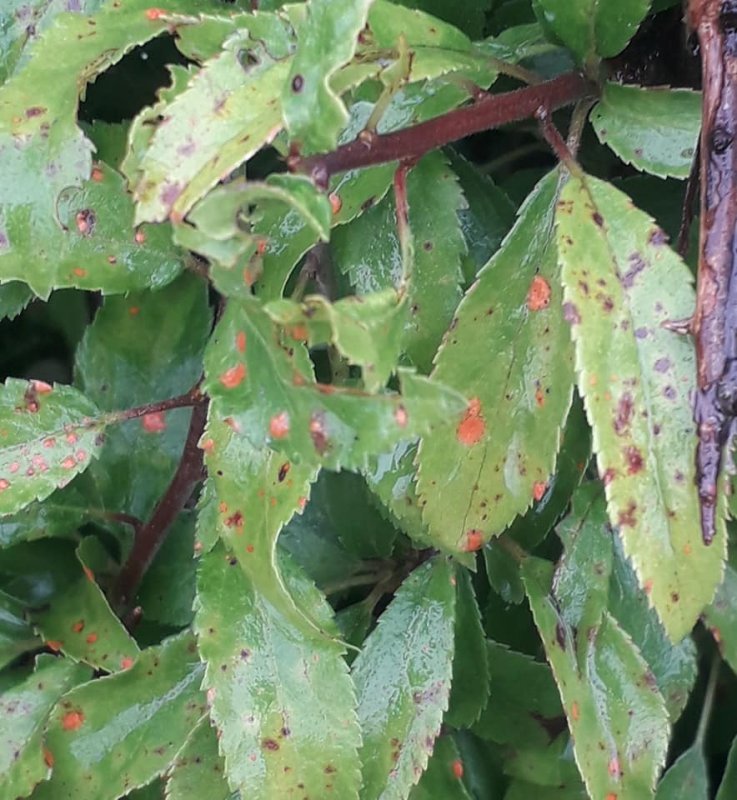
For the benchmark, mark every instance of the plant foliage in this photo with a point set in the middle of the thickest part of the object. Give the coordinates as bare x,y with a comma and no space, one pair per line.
346,441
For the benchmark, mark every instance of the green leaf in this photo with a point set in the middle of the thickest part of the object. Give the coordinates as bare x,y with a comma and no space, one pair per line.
391,476
198,770
387,20
728,786
82,228
78,620
16,635
282,701
117,366
118,733
224,116
402,679
470,685
47,436
24,709
548,766
524,708
592,28
721,617
655,130
621,284
442,778
435,199
14,297
366,330
327,39
468,16
256,492
60,514
673,665
168,587
615,712
250,364
686,779
477,476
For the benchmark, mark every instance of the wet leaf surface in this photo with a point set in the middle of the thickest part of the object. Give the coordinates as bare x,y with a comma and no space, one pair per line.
617,716
198,770
24,709
655,130
48,434
282,700
249,358
402,679
477,475
118,733
622,286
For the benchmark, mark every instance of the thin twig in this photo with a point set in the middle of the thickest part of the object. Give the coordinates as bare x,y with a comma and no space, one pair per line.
152,534
413,142
192,398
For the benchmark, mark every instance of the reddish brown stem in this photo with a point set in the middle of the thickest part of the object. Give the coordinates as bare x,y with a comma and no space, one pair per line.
152,534
413,142
193,398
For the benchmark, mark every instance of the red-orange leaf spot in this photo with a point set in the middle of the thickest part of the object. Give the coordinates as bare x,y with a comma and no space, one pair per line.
474,540
68,463
91,638
72,720
140,237
89,574
613,767
611,796
575,711
126,662
400,415
233,377
472,427
261,246
52,644
538,296
78,626
48,757
249,548
134,311
539,397
4,484
240,342
79,272
155,422
42,387
279,425
538,490
457,768
335,202
154,13
208,445
299,332
97,174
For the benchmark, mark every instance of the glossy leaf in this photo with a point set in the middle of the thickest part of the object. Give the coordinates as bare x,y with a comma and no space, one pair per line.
16,634
142,348
721,617
655,130
225,115
14,297
402,679
469,690
24,709
60,515
118,733
615,712
78,620
366,330
592,28
524,708
47,436
442,778
673,665
256,493
622,283
435,199
251,365
82,232
686,779
728,786
327,40
387,20
550,766
478,475
198,770
282,701
391,476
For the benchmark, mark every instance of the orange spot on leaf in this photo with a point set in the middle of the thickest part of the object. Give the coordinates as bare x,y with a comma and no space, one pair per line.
335,202
279,425
42,387
78,626
126,662
91,638
233,377
68,463
575,712
538,489
154,422
474,540
240,342
457,767
72,720
134,311
79,272
97,174
48,757
208,445
4,484
538,296
154,13
400,415
472,427
52,644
